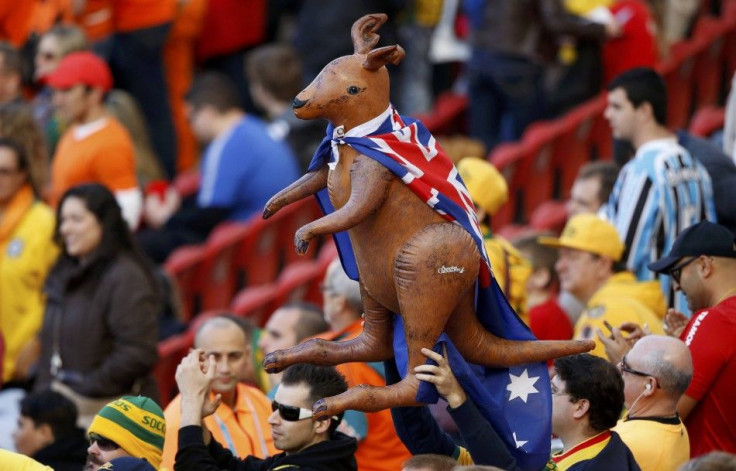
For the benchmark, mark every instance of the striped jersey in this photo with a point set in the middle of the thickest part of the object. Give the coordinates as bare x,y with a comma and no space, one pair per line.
658,194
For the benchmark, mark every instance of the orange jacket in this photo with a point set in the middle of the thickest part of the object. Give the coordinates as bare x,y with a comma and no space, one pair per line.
381,449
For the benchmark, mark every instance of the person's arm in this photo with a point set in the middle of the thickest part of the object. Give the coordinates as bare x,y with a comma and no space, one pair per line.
484,444
416,427
560,22
685,406
197,451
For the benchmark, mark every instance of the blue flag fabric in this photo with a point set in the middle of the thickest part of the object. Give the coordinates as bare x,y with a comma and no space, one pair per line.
517,401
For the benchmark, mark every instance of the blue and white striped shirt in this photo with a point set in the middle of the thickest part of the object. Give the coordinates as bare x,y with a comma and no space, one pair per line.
658,194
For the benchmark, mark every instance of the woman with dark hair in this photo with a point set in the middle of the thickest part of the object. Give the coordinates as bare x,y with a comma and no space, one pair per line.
99,334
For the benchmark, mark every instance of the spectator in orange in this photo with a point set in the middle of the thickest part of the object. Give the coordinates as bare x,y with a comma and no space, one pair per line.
179,68
136,60
379,447
96,148
95,18
240,423
288,326
15,20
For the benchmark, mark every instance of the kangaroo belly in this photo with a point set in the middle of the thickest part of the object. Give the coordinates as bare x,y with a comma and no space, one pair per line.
379,238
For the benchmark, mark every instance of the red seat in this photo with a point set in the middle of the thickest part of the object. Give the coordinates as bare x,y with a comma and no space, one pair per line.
677,72
538,167
187,183
328,251
707,120
578,144
170,353
289,220
508,160
601,138
257,303
219,270
184,266
710,39
512,231
301,281
551,215
448,114
257,261
729,52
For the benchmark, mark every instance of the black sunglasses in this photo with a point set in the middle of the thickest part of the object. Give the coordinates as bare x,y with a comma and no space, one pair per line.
103,443
676,271
293,413
624,366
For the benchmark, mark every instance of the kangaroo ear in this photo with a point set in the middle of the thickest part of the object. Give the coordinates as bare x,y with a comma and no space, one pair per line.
377,58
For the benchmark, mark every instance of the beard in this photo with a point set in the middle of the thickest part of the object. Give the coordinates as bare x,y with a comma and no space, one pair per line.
93,462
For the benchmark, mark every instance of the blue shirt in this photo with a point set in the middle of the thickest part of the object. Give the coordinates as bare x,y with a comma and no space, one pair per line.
658,194
243,168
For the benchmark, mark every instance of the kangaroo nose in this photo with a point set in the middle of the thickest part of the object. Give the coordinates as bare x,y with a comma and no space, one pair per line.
297,103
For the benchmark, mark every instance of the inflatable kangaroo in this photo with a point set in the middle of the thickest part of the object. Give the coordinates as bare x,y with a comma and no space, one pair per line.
411,260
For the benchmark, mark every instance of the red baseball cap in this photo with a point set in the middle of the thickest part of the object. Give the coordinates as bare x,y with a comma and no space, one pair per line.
82,68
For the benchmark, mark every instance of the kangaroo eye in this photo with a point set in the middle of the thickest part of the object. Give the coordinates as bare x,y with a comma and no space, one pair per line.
353,90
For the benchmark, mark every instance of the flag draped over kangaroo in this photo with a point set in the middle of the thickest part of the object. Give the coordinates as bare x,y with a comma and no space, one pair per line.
406,230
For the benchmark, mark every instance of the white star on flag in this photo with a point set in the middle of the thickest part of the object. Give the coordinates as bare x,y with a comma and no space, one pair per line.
522,386
519,443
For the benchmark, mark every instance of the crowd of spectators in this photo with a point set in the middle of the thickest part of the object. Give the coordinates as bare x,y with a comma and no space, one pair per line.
103,103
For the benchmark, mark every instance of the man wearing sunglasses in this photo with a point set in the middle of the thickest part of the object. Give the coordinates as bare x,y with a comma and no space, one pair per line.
656,373
305,442
702,264
129,426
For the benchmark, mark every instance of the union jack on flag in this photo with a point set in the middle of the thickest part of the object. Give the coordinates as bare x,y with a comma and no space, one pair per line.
517,400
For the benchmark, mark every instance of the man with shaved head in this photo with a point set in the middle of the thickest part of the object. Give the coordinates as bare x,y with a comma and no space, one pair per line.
656,372
240,423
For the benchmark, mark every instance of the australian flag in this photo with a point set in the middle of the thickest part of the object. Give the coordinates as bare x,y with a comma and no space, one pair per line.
516,400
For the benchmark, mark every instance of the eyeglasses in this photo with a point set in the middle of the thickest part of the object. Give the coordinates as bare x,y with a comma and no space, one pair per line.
625,367
293,413
676,271
103,443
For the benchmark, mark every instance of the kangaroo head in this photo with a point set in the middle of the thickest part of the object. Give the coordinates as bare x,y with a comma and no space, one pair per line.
352,89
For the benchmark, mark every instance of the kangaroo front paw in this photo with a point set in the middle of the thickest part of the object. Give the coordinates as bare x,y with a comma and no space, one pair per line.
273,362
321,410
301,241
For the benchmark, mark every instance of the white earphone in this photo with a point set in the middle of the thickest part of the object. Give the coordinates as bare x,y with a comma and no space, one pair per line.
648,386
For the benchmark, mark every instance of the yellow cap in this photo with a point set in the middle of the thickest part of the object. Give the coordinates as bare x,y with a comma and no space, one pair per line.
589,233
486,185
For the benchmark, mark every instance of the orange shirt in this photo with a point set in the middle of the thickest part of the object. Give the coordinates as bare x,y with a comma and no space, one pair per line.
101,152
130,15
48,13
244,430
96,19
381,449
15,21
